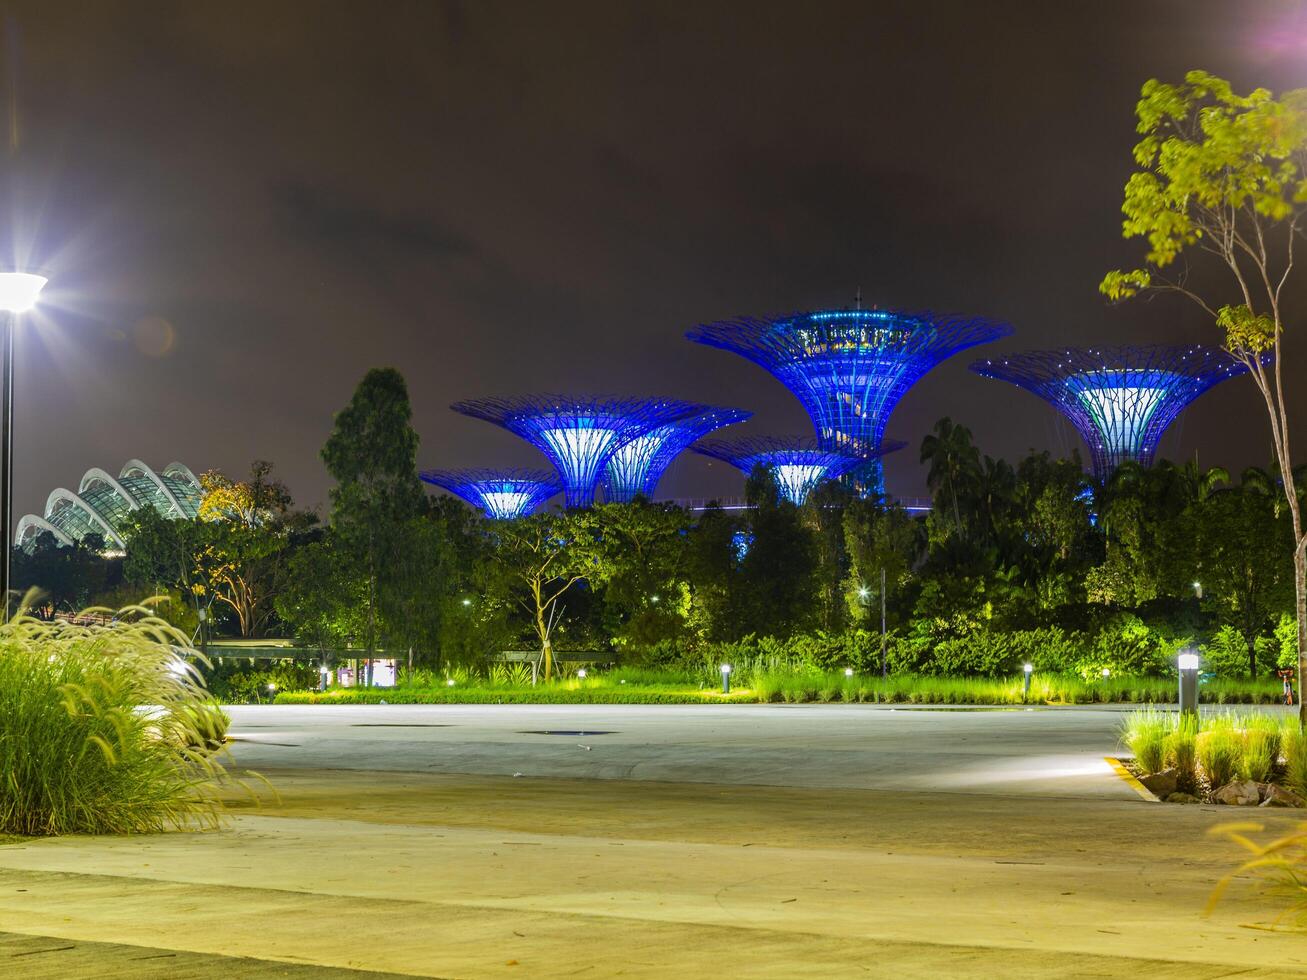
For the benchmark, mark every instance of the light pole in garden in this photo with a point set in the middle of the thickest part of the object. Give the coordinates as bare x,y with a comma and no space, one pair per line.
18,294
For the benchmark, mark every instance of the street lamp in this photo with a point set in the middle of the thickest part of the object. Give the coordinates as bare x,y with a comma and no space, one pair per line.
18,294
1187,663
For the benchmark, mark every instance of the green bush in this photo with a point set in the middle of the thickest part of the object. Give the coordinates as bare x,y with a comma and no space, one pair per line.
77,752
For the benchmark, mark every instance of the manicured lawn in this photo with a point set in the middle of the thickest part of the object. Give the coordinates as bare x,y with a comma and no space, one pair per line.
802,688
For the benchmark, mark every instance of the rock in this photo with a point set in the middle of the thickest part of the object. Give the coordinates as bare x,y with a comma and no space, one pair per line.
1238,793
1161,784
1182,798
1273,795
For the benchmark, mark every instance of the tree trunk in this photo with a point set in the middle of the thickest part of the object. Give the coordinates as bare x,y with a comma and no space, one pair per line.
1252,656
1300,602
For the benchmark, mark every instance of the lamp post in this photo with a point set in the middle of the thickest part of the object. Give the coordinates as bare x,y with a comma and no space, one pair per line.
1187,662
18,294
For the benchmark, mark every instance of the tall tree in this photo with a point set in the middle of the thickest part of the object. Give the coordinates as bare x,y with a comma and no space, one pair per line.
539,558
372,454
1242,560
1222,178
253,526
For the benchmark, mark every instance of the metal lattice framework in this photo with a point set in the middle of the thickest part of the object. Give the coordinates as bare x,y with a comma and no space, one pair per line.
501,494
849,368
1120,399
638,465
579,433
797,465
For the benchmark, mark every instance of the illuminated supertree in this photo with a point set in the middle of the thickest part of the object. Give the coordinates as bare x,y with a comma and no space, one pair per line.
850,368
797,465
501,494
1120,399
579,433
638,464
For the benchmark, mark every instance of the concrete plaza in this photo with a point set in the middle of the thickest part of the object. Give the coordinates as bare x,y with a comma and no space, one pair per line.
771,841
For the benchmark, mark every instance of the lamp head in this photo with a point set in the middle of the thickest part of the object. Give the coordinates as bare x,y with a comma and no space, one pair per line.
19,291
1028,668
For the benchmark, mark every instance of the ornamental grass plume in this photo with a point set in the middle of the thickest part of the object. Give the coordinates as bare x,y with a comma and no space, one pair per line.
105,729
1278,867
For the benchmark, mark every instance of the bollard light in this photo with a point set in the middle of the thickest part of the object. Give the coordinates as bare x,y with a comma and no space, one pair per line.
848,671
726,678
581,673
1188,665
467,602
450,682
1106,673
1027,670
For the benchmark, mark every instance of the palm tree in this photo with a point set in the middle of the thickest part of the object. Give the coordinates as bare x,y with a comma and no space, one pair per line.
954,464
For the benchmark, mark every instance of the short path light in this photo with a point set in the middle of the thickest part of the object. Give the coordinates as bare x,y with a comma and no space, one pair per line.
726,678
1106,673
450,682
848,671
1025,682
581,673
1188,664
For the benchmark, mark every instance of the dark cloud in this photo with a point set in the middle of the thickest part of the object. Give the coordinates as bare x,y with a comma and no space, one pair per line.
500,196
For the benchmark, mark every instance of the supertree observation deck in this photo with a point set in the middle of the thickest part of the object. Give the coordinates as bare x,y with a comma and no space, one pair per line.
501,494
638,464
850,368
1120,399
579,433
797,465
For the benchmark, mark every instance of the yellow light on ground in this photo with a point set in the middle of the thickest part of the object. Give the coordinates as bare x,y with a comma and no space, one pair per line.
19,291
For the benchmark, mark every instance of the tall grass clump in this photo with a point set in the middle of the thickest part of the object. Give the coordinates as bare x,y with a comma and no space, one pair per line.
1261,748
1145,733
1293,742
1220,752
1182,753
104,729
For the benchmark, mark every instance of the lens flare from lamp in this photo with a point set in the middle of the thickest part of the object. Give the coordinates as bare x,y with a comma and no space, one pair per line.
19,291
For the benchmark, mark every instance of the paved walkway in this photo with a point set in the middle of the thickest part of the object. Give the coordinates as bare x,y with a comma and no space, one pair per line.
467,874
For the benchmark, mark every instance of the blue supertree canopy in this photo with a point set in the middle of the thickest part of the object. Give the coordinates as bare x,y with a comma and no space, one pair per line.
500,494
797,465
849,368
579,433
1120,399
638,464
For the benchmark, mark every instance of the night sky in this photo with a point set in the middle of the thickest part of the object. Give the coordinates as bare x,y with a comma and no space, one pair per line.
243,206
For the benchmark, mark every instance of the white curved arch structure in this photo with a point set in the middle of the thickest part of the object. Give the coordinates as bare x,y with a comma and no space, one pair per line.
31,526
102,503
96,475
182,470
64,497
135,467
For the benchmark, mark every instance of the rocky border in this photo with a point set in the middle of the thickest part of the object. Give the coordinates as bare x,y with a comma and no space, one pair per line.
1163,787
